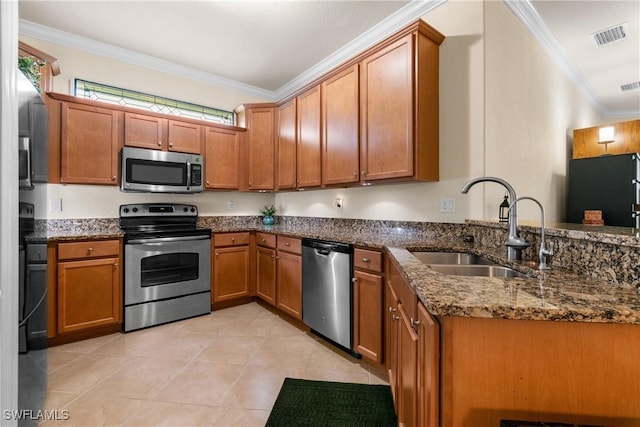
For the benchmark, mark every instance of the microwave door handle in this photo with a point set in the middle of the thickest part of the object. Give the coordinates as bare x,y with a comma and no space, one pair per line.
188,176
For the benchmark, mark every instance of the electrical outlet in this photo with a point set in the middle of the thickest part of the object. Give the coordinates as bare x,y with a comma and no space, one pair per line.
339,202
55,204
447,205
231,204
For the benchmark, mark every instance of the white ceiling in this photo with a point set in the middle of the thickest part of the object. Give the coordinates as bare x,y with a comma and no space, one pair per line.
271,48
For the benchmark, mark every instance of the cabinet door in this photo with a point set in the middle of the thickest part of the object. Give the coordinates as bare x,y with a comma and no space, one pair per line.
340,142
392,326
222,158
287,145
428,369
367,315
309,138
90,143
184,137
585,143
144,131
89,294
289,289
386,112
407,409
266,277
261,148
230,273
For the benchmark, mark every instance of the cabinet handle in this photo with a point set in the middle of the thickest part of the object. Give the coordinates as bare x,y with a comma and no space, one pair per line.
287,244
395,317
115,264
392,310
365,259
208,183
414,323
264,240
363,173
89,250
354,173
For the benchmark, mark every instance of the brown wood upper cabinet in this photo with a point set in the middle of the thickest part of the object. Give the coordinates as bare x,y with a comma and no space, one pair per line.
287,138
146,131
259,119
340,131
627,140
89,132
222,154
399,108
309,169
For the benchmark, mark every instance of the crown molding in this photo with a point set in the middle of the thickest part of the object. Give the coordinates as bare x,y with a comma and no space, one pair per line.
390,25
529,16
404,16
63,38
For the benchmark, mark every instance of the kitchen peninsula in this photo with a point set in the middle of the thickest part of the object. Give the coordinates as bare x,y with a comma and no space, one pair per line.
509,348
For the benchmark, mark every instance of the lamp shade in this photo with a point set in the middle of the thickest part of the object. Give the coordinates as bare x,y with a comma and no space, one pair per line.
606,135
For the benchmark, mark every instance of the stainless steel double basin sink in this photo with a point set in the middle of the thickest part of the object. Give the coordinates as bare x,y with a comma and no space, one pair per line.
465,264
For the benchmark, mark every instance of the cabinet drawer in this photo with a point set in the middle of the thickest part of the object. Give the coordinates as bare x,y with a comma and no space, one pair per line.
89,249
266,240
367,260
290,244
231,239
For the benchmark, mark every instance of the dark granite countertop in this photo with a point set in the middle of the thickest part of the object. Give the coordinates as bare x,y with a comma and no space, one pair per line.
552,295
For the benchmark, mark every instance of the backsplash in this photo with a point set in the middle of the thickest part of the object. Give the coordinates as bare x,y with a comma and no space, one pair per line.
608,254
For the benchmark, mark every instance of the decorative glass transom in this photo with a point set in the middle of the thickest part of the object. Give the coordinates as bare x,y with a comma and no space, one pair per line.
157,104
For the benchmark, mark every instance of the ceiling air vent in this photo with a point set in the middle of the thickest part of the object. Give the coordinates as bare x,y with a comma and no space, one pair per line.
630,86
611,35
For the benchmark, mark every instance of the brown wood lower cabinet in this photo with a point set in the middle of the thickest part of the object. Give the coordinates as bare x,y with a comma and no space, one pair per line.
289,288
89,290
266,267
412,353
231,263
368,298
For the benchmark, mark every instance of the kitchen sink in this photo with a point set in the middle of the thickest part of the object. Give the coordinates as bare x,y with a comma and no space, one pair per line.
465,264
476,270
451,258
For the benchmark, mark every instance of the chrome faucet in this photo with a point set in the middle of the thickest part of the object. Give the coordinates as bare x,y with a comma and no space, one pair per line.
543,253
514,243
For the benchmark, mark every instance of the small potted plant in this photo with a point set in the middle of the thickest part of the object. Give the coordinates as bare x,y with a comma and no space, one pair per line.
268,212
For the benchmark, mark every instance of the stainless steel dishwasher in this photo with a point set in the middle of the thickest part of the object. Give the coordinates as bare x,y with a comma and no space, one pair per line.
327,291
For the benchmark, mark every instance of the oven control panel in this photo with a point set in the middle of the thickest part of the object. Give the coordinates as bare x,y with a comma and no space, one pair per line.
157,209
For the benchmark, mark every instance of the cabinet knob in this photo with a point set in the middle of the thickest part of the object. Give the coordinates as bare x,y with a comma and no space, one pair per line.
354,280
208,183
90,250
287,244
233,240
171,144
354,173
392,310
363,173
159,143
414,323
264,240
113,178
365,259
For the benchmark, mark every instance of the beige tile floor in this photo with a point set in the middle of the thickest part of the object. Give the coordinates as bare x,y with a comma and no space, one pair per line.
223,369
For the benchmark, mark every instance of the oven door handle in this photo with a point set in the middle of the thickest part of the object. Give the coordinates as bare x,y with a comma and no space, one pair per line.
168,239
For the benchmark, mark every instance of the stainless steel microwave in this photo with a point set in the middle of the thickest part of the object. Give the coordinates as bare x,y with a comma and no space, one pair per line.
155,171
24,162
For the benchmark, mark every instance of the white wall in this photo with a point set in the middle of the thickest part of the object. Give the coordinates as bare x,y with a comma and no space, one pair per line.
8,211
505,110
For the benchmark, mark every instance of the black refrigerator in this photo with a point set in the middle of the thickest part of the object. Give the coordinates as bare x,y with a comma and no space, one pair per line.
606,183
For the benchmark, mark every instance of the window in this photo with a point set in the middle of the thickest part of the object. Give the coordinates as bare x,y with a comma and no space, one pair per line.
157,104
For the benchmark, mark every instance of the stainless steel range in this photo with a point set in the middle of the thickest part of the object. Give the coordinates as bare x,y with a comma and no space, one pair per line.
167,264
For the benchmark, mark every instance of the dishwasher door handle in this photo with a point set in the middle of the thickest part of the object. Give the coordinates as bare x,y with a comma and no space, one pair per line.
322,252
